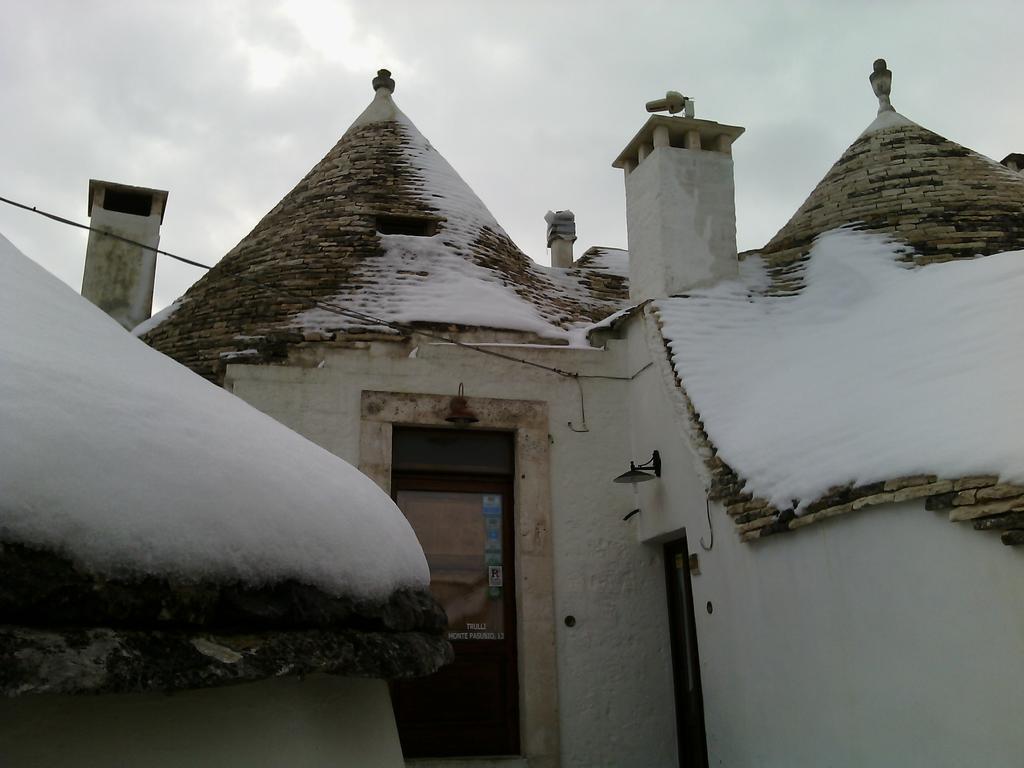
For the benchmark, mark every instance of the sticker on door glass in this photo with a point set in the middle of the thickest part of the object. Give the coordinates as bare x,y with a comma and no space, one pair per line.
492,535
494,577
491,505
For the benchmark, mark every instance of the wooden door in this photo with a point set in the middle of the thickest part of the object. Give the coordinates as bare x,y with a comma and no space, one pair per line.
685,660
465,524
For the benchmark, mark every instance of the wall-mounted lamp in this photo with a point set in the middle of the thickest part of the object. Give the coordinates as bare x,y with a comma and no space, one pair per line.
641,473
459,412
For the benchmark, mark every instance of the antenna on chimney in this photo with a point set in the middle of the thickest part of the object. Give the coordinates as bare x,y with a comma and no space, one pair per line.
673,103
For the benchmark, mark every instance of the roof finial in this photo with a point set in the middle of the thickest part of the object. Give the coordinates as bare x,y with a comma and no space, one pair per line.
881,84
384,80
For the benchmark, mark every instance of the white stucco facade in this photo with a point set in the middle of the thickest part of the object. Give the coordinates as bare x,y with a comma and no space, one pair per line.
610,690
888,636
318,721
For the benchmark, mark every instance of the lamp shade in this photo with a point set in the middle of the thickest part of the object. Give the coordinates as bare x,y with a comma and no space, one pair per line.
459,412
649,470
634,475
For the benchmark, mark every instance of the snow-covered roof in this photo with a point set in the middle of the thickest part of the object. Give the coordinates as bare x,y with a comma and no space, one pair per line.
383,225
876,370
124,461
615,261
864,356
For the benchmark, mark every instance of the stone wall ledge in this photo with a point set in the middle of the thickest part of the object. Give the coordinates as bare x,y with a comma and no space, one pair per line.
982,499
974,511
104,660
42,589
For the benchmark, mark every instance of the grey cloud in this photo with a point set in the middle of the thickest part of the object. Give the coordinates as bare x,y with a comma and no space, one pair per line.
529,103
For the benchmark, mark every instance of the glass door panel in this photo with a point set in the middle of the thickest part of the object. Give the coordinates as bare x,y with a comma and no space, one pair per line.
462,536
470,707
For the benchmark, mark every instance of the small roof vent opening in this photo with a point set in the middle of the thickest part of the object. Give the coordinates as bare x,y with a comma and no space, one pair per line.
127,201
406,225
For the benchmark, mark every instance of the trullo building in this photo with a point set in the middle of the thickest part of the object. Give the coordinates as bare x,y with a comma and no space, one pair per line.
813,565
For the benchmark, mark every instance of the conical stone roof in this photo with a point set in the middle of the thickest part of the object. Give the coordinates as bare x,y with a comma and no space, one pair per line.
944,200
384,226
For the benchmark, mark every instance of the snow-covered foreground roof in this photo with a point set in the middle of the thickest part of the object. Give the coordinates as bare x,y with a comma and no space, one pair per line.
874,371
126,461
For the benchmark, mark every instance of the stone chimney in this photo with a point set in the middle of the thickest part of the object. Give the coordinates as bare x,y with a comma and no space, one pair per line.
119,276
1014,161
680,202
561,236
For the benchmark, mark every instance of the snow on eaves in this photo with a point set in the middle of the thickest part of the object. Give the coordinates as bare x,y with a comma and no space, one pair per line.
439,278
431,283
433,279
874,371
491,302
153,321
130,463
612,260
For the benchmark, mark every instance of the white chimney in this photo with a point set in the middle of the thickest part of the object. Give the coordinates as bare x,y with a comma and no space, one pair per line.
119,276
680,202
561,236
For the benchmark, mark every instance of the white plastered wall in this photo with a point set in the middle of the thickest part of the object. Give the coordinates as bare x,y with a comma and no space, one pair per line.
613,692
886,637
319,721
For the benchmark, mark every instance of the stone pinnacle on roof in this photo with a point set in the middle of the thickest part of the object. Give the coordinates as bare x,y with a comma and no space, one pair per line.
881,84
384,80
897,178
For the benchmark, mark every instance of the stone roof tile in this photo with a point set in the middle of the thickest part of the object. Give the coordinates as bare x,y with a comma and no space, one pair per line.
944,200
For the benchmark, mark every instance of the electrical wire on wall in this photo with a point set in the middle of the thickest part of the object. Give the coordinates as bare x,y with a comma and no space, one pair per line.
707,506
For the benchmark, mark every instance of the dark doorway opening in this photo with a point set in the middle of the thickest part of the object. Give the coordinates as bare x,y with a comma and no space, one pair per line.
455,487
685,660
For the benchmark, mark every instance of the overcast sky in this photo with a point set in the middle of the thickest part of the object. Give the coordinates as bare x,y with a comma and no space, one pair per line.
228,104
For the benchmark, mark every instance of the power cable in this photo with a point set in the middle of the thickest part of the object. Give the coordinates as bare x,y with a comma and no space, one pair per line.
326,305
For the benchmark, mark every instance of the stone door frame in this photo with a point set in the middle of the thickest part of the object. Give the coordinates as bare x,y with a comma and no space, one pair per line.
534,553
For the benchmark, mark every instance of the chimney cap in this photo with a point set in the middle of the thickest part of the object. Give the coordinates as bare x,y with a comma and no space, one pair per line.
159,195
384,80
677,126
561,226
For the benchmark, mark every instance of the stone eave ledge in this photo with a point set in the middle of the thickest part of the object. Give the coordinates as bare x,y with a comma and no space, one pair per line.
66,630
980,499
